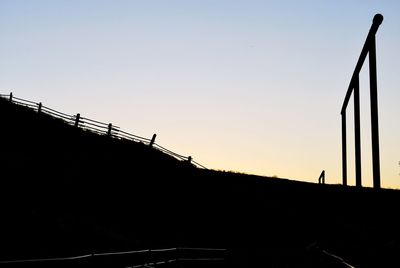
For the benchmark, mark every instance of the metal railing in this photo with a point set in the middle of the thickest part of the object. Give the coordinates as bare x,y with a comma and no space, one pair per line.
369,49
128,259
97,127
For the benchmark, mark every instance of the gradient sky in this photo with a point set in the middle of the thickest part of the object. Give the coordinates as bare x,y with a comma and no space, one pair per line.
249,86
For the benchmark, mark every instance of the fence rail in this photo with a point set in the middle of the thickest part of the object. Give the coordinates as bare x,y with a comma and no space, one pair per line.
96,126
129,259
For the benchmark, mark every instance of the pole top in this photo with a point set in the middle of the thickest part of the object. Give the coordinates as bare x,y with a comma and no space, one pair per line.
378,18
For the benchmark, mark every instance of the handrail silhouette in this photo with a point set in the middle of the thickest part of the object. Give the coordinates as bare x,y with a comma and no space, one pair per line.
134,137
31,102
56,112
369,49
96,126
150,257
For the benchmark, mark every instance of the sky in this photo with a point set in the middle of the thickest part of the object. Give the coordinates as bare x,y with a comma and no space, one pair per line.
242,85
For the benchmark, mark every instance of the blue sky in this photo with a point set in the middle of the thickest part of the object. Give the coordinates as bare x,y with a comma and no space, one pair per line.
249,86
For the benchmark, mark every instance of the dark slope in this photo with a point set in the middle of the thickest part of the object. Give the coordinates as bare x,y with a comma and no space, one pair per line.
65,191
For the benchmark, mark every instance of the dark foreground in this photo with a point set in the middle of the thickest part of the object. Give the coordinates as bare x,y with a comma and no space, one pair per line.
68,192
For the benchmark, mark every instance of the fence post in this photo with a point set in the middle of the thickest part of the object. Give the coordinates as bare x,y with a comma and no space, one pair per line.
153,139
11,97
321,179
77,117
149,256
39,107
189,159
109,130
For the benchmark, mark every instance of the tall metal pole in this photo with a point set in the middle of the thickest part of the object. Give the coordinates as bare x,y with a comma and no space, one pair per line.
369,49
344,149
357,136
374,114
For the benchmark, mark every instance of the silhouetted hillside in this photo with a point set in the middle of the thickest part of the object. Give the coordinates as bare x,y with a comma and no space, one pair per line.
67,191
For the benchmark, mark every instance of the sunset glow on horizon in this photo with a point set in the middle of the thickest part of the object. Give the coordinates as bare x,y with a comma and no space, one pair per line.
248,86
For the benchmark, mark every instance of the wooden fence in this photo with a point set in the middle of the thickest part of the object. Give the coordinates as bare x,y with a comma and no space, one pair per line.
97,127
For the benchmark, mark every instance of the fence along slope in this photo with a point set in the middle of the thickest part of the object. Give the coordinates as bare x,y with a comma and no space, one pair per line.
96,126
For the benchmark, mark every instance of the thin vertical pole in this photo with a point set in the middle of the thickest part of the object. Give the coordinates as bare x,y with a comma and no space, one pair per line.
321,179
77,118
357,136
109,130
344,150
39,107
374,114
153,139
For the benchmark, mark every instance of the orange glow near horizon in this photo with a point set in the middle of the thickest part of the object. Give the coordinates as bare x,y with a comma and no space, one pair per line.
247,86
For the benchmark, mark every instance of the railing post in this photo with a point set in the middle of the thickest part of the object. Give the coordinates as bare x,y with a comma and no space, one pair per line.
11,97
153,139
374,114
149,258
321,179
357,136
344,149
109,130
39,107
189,159
77,117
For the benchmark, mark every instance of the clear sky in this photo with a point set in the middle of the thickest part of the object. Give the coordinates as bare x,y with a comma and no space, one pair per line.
249,86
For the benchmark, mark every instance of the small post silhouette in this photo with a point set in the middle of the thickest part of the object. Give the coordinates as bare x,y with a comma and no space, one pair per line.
321,179
153,139
77,117
11,97
189,159
109,130
39,107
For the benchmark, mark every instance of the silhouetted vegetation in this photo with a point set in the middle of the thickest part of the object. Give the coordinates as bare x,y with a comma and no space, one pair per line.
66,191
